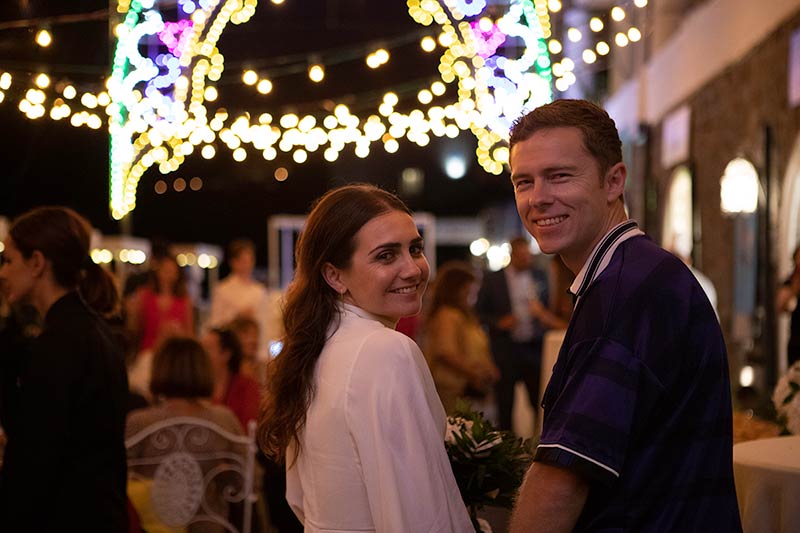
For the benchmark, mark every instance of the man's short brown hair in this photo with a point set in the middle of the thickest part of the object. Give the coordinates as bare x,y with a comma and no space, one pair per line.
237,246
600,136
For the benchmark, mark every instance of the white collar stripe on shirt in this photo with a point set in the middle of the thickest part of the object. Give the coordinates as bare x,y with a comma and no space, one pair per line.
601,255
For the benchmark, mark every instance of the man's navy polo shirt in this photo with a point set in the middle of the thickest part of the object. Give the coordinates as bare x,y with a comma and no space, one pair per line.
639,402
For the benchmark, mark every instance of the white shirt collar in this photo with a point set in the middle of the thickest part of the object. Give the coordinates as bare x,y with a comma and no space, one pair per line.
602,254
346,307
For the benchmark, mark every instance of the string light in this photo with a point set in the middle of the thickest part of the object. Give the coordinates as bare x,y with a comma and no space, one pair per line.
377,58
596,25
44,38
618,14
42,81
250,77
316,73
428,44
158,114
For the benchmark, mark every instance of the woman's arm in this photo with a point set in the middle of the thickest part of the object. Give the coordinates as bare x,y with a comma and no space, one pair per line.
189,318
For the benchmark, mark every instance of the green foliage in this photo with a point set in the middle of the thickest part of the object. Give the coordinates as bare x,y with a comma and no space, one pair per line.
489,465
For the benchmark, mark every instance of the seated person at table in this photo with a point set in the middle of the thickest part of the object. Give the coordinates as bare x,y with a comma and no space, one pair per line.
182,383
231,388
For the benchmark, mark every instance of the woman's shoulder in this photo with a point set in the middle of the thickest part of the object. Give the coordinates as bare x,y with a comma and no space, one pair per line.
386,353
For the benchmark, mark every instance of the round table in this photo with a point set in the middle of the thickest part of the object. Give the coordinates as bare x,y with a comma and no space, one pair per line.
767,474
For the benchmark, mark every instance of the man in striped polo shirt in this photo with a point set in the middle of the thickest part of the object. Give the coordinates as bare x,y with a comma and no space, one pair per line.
637,415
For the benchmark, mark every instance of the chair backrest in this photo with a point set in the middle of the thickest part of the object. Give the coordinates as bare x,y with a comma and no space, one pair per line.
187,471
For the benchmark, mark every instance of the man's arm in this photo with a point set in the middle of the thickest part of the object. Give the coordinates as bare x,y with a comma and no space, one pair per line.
551,499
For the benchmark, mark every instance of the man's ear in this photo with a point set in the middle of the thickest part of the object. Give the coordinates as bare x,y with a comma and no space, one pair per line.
615,181
333,277
37,263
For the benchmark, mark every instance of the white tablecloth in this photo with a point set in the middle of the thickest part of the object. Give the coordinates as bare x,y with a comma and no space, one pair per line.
767,474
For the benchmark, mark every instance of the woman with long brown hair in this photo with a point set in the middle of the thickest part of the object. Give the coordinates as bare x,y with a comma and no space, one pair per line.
67,442
350,402
456,347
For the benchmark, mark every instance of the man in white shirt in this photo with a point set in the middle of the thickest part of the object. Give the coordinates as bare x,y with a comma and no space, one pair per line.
240,295
506,307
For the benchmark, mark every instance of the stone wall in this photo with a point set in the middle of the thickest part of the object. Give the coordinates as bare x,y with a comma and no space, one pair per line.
729,117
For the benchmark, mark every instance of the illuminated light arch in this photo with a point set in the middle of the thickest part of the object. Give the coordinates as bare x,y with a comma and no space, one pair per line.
157,113
163,72
494,88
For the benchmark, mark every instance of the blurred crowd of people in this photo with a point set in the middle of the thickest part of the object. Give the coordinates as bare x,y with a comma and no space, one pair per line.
86,365
481,333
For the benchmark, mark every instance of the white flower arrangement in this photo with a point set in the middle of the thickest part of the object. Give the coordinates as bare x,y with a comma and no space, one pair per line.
488,464
786,399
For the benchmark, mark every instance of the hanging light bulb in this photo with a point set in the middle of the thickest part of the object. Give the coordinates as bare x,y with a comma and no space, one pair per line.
316,73
43,38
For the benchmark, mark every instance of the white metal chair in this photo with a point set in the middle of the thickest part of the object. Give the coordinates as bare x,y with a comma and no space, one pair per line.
187,473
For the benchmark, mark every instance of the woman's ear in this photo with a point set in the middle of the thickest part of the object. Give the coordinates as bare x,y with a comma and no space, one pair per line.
333,277
37,263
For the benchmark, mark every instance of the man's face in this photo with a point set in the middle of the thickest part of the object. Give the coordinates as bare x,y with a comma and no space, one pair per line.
244,263
562,199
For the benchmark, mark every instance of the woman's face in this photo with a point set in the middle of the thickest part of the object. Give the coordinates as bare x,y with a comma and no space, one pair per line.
248,338
167,274
388,271
16,275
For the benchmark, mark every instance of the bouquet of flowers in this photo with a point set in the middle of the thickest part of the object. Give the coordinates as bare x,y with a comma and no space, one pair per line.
786,399
488,464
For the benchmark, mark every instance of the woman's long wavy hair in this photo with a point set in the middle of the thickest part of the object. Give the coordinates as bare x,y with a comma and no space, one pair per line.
311,306
63,237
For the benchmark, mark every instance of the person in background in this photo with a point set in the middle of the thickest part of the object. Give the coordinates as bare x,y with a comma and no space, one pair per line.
159,250
162,308
455,345
786,301
507,306
231,388
560,304
248,333
239,295
64,465
351,404
637,432
182,382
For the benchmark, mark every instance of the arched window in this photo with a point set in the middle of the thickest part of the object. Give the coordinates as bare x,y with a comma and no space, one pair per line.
678,232
739,187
